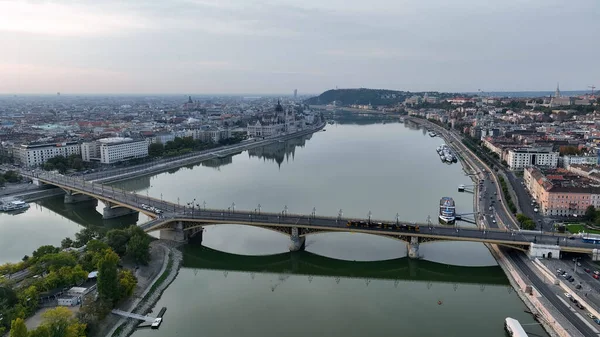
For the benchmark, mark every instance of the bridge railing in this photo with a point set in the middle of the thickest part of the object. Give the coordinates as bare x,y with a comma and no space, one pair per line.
133,199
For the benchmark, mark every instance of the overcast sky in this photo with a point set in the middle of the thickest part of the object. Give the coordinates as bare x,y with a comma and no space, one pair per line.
275,46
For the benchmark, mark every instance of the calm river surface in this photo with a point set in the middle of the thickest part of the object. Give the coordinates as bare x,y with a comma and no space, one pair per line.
243,281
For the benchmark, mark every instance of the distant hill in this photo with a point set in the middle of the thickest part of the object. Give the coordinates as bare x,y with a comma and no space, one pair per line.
360,96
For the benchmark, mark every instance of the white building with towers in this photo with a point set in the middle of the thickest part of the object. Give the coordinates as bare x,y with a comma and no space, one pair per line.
274,123
559,100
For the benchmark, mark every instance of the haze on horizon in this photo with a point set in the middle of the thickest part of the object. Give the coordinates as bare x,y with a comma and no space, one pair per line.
275,46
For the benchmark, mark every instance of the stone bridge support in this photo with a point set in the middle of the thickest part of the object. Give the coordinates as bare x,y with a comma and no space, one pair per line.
194,235
595,255
74,197
413,247
174,234
297,242
112,211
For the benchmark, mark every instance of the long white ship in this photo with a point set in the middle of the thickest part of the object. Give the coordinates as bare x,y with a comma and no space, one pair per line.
447,211
13,205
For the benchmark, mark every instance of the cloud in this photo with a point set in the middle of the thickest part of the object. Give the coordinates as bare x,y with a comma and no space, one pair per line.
258,46
50,18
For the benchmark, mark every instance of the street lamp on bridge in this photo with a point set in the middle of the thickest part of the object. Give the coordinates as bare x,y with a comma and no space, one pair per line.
259,208
233,207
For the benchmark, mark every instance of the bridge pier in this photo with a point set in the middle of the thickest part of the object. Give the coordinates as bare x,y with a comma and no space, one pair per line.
544,251
194,236
73,198
297,242
174,234
112,211
413,248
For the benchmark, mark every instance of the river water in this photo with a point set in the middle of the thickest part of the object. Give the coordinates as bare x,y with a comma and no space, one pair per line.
243,281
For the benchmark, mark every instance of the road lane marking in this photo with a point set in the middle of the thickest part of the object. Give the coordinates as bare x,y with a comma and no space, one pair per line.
593,328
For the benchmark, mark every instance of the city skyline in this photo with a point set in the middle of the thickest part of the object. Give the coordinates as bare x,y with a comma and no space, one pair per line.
232,47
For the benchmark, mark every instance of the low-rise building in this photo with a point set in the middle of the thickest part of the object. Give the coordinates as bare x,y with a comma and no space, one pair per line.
567,161
116,149
37,154
531,156
560,192
210,134
113,150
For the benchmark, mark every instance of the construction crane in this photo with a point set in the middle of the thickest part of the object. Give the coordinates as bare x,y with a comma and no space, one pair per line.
592,87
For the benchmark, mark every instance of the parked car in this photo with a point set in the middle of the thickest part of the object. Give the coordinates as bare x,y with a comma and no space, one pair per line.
568,295
587,270
596,276
590,315
577,304
578,286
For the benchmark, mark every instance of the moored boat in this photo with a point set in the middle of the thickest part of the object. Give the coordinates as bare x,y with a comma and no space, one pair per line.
447,211
13,205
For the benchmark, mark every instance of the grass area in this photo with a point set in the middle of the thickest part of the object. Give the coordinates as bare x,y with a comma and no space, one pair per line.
579,227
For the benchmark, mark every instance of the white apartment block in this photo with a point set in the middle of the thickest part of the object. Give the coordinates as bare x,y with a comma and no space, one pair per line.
116,149
521,158
90,151
38,154
578,160
209,135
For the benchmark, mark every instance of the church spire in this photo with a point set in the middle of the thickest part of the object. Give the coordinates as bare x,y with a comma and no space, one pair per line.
557,92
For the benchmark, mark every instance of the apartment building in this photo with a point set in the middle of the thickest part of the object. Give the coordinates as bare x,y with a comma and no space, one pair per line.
37,154
560,192
533,156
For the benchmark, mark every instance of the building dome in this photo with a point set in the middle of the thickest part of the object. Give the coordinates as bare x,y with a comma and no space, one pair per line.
278,107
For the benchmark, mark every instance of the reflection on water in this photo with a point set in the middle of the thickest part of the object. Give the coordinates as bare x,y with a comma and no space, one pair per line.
306,263
279,151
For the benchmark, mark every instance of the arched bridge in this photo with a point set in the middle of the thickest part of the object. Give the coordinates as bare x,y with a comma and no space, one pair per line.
180,223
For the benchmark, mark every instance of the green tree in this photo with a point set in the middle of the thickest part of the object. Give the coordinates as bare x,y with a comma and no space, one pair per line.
138,249
108,282
522,217
156,149
12,176
2,180
18,328
45,250
117,240
59,322
528,225
66,243
8,296
590,213
83,236
29,299
127,283
92,312
59,260
96,246
41,331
